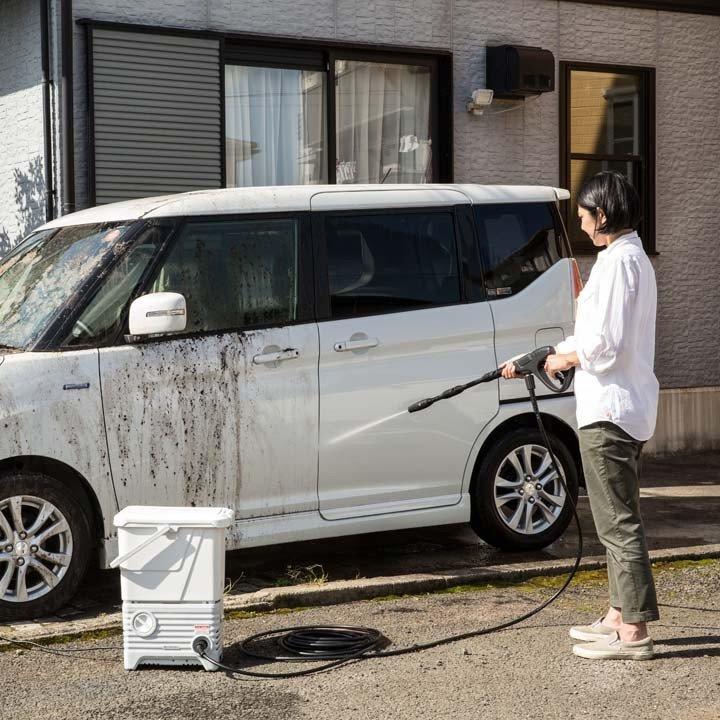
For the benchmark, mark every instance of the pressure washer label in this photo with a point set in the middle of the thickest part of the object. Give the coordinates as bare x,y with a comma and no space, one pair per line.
202,628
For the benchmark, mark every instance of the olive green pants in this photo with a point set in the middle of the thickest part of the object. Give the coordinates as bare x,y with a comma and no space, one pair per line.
610,459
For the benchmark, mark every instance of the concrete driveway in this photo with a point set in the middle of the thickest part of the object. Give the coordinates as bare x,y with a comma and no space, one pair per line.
680,505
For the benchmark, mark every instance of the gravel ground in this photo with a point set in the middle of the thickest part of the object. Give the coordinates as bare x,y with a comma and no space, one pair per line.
528,672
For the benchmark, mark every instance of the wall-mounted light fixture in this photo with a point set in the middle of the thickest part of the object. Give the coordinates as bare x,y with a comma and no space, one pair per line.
479,101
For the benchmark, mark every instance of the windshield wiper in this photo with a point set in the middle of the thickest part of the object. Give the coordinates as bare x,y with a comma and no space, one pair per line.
8,347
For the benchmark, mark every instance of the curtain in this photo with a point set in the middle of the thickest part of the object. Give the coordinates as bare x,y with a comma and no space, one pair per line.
383,123
275,126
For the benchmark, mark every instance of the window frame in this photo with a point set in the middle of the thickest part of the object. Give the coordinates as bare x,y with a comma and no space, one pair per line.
280,52
466,249
645,160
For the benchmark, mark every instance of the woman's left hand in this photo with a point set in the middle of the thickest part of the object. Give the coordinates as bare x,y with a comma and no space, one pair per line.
557,363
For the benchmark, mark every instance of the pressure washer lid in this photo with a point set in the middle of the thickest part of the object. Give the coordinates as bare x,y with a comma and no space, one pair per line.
153,516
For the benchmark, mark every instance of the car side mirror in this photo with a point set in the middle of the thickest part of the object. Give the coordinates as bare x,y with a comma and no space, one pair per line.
157,314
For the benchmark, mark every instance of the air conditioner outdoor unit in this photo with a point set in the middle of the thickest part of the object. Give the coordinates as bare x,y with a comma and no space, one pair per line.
517,71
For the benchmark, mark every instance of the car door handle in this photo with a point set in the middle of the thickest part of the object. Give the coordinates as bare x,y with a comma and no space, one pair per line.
363,344
287,354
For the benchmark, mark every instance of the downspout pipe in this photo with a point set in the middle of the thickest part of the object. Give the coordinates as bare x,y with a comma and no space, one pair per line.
67,123
47,127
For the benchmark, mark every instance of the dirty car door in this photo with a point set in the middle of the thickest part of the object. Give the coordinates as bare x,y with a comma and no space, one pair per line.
226,412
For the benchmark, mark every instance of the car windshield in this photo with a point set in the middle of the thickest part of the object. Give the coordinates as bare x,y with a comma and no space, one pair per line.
41,275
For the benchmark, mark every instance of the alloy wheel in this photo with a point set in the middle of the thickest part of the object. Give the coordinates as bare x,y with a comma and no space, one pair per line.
529,495
36,547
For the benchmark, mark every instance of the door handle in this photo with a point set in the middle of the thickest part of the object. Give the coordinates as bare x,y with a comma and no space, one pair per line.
273,357
363,344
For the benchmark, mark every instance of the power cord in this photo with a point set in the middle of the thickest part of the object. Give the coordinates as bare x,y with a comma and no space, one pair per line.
30,645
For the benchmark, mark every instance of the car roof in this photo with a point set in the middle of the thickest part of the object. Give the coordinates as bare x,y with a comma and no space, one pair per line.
296,198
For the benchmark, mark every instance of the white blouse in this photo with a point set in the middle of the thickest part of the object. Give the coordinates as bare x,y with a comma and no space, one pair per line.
615,341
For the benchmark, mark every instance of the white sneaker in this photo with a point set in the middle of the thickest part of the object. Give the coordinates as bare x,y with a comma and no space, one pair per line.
613,648
594,631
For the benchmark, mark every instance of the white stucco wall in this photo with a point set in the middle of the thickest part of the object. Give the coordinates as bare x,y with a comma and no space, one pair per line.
22,175
518,146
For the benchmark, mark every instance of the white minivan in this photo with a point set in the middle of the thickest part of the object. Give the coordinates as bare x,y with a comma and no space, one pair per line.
258,349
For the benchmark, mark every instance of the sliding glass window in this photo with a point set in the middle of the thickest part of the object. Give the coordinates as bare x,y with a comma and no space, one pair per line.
324,115
275,126
382,123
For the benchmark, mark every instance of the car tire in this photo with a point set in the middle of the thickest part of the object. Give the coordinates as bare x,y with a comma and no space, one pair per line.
45,545
518,502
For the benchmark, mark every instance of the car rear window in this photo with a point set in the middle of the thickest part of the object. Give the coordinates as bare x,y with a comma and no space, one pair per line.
518,243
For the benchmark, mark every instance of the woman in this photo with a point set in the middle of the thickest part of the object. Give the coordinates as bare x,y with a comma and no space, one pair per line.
617,396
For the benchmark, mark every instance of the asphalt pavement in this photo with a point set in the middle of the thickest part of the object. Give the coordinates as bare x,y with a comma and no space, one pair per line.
527,672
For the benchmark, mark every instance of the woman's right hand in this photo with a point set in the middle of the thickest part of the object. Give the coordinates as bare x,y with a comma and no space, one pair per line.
508,370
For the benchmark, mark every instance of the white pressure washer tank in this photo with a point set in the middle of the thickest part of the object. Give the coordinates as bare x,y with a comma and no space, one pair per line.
172,575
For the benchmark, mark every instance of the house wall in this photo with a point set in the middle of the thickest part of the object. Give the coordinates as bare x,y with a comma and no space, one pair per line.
22,173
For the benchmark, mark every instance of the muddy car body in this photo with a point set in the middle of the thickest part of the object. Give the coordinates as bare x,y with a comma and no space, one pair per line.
257,349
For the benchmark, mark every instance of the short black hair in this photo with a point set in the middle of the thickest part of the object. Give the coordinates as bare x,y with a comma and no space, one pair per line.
618,199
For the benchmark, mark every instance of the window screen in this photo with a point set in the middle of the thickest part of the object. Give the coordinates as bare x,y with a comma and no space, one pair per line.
390,263
518,243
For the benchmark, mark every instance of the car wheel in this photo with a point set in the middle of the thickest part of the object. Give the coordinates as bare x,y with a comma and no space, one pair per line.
44,545
518,500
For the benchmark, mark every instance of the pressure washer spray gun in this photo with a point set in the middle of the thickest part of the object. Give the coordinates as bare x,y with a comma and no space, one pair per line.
530,365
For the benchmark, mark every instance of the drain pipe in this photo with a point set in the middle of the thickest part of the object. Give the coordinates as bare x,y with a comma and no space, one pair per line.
67,124
47,127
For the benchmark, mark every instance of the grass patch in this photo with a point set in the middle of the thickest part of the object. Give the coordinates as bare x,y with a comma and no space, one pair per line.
593,578
304,575
585,578
386,598
250,614
685,564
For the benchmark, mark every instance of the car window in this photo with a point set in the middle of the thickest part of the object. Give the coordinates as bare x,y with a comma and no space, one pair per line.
44,276
518,243
391,262
234,273
100,322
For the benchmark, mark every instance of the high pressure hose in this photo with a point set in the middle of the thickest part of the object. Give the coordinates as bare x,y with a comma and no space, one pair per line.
339,644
